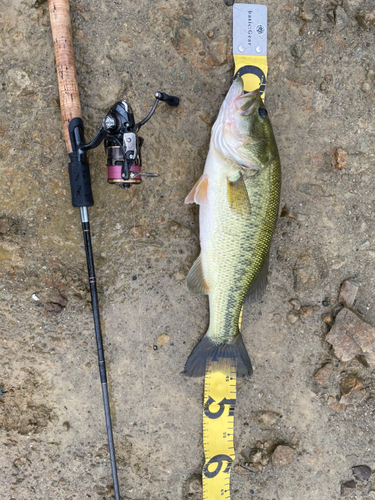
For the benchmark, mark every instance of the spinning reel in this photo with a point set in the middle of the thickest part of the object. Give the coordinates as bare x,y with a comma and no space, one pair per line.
122,147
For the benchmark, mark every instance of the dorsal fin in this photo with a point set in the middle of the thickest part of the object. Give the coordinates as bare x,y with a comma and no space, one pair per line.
198,194
195,282
258,287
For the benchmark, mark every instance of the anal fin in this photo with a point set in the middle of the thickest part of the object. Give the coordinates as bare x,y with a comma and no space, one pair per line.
258,287
195,282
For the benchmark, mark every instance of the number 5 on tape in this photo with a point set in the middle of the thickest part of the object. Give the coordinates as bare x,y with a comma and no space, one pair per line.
218,424
250,45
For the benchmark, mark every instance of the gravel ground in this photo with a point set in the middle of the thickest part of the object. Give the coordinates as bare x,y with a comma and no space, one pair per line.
320,97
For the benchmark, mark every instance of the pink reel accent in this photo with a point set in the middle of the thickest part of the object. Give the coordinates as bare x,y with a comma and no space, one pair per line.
114,172
136,168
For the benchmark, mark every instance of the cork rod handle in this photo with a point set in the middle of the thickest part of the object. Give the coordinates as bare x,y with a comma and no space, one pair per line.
59,12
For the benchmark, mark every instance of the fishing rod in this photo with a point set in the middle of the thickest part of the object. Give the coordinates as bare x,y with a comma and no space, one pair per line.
122,145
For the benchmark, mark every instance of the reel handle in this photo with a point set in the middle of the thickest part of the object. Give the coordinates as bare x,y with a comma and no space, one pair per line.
169,99
59,12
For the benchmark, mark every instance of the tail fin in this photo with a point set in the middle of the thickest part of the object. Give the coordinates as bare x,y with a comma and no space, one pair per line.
208,349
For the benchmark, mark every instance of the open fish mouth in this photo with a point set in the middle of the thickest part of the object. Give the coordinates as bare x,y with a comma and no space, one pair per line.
246,103
237,100
227,136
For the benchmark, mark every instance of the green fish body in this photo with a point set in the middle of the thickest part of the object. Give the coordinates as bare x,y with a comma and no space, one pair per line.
239,197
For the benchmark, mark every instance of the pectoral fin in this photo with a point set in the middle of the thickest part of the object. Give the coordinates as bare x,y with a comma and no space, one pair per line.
238,196
198,194
258,287
195,282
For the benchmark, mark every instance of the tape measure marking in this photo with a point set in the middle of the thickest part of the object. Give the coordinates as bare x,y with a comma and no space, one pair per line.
218,425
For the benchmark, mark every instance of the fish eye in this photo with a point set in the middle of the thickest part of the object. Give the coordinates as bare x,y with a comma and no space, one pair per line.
262,112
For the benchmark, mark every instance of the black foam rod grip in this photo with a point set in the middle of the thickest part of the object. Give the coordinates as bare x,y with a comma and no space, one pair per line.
79,171
169,99
80,184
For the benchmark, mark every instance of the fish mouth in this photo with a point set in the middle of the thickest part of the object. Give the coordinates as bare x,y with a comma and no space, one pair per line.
245,104
240,102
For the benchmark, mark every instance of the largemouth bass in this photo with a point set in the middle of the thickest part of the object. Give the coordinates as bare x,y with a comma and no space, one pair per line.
239,196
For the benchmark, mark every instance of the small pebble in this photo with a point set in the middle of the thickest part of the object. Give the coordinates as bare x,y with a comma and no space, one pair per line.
347,488
335,406
366,87
307,311
327,317
350,384
365,19
293,317
296,304
341,18
348,293
163,339
321,376
283,455
210,34
340,158
362,472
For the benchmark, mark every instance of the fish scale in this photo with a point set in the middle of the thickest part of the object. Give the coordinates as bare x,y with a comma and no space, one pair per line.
248,251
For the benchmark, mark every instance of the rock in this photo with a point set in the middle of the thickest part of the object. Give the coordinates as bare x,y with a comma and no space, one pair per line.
341,18
18,84
351,336
335,406
348,293
267,418
56,298
327,317
362,472
194,485
347,488
293,317
365,19
163,339
55,303
283,455
229,2
308,17
371,495
323,25
179,276
307,311
210,34
350,384
297,50
308,270
296,304
218,50
366,87
321,376
137,232
5,225
340,158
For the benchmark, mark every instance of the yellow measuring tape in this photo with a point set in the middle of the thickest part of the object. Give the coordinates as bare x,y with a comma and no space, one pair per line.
218,426
220,379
